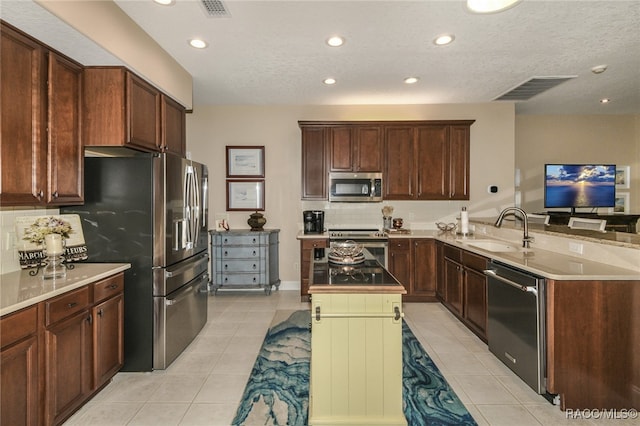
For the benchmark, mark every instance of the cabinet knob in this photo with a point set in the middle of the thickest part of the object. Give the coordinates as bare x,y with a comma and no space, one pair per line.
254,252
254,266
55,194
100,312
226,253
40,194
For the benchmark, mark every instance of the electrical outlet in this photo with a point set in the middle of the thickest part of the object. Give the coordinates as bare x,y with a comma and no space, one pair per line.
576,248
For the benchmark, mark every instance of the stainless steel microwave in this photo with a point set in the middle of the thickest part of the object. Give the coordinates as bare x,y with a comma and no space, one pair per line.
355,187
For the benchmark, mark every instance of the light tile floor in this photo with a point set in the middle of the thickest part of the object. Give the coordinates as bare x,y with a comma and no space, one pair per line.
204,385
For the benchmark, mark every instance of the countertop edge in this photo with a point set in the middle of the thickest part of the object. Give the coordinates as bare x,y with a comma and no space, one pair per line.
621,274
112,269
338,289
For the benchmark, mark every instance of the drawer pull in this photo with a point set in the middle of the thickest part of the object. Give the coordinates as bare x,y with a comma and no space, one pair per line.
100,312
113,286
226,266
72,304
254,252
254,266
254,240
226,253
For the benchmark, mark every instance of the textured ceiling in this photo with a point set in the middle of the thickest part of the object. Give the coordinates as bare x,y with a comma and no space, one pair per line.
273,52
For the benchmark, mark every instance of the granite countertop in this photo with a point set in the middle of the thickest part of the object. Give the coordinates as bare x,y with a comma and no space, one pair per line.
20,290
366,277
548,264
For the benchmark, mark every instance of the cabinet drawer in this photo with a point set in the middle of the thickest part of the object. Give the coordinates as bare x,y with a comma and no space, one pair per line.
239,266
311,244
239,240
240,279
399,244
474,261
108,287
18,325
67,304
452,253
241,252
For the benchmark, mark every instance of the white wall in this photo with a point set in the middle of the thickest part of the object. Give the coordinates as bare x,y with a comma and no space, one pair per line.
211,128
540,139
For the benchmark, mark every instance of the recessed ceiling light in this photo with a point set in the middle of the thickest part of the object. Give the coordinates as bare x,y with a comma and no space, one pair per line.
599,69
165,2
605,101
444,39
335,41
490,6
197,43
411,80
329,81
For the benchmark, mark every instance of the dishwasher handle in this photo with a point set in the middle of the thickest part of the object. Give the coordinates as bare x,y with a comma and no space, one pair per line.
492,274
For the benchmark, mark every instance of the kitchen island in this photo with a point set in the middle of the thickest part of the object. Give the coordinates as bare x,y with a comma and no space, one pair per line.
356,344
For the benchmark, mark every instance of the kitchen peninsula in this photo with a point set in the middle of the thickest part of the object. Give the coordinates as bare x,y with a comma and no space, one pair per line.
356,344
62,340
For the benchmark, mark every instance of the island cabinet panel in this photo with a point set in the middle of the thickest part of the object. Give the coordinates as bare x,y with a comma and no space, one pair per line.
42,154
356,362
593,342
314,163
19,369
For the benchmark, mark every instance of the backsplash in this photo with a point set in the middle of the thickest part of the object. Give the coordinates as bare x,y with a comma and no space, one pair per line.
8,253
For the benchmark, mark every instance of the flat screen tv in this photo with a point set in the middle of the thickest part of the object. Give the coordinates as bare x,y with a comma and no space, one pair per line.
579,185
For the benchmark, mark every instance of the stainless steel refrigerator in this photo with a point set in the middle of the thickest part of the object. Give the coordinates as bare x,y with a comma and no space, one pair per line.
150,210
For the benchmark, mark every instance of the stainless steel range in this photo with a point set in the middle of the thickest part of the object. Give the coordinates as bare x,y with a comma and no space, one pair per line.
372,239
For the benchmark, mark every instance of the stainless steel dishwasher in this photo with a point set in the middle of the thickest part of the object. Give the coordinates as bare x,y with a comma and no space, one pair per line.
516,322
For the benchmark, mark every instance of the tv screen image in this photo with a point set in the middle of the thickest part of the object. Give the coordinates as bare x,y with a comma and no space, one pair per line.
579,185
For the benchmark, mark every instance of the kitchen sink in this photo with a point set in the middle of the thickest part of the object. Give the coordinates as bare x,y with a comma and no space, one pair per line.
493,246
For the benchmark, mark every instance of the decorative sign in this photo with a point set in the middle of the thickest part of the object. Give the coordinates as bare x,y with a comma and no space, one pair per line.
31,232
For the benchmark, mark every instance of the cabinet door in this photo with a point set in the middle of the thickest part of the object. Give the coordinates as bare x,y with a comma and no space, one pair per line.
459,162
143,114
68,365
475,301
440,282
173,126
399,160
108,351
340,148
453,286
367,155
433,162
314,164
20,399
400,262
23,142
425,268
65,150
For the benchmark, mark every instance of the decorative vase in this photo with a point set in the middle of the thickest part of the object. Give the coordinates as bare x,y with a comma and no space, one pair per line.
256,221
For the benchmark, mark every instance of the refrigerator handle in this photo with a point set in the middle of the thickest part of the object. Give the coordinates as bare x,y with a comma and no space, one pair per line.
205,201
188,213
196,207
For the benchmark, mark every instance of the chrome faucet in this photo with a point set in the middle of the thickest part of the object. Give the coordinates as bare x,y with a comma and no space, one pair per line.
526,239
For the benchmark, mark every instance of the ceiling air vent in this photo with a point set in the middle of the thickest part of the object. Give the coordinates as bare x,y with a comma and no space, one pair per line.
533,86
215,8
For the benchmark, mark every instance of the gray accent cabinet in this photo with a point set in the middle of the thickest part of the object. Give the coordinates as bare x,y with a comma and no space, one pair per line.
244,259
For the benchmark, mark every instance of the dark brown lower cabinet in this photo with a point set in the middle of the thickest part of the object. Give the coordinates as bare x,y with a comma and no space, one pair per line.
19,383
68,365
307,249
413,262
462,287
58,353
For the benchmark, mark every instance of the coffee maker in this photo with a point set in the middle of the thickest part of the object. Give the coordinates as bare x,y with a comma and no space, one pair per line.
313,221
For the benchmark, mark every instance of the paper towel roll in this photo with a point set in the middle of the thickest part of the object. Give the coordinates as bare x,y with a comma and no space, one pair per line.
464,221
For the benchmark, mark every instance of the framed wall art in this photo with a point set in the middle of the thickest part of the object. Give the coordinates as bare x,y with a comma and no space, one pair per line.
623,176
245,195
622,203
245,161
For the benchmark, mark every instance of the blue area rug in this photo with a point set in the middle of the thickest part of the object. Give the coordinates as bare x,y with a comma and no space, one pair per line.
277,392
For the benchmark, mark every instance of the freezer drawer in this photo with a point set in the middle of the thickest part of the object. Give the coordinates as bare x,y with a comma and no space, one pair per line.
178,318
